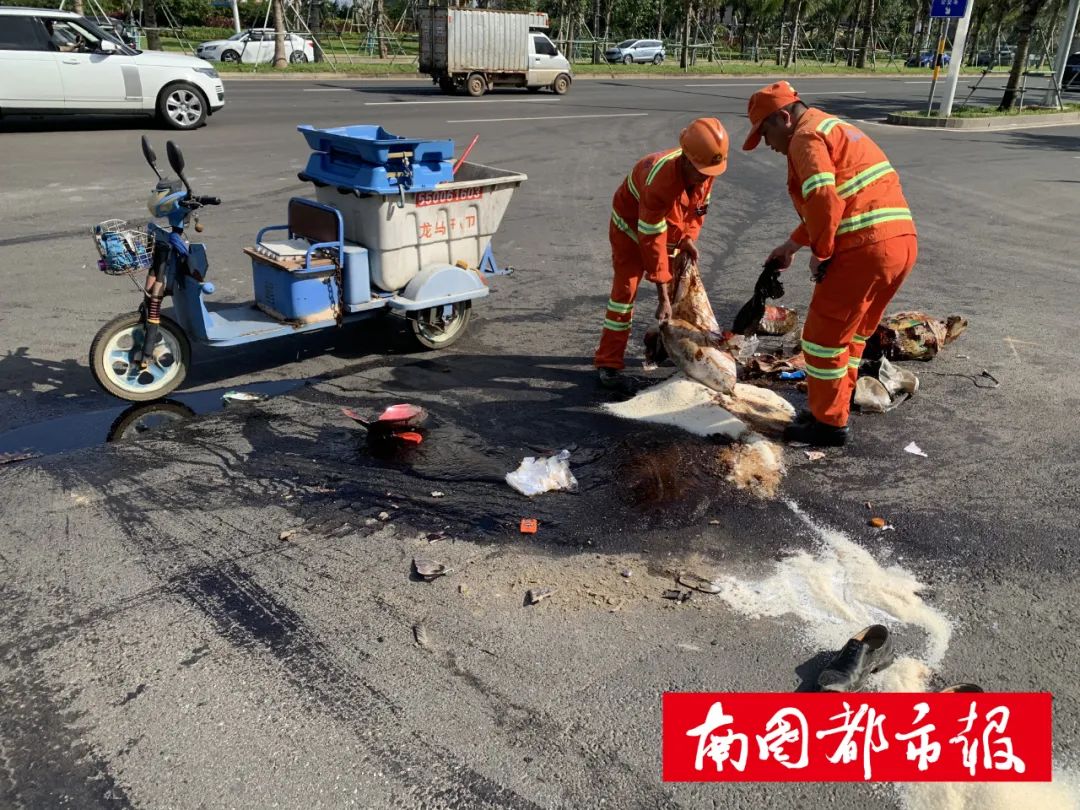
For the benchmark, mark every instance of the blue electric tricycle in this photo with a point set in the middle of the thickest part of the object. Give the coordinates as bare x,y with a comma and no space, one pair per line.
395,227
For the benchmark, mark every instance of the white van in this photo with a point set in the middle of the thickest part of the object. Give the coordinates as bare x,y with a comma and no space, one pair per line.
58,62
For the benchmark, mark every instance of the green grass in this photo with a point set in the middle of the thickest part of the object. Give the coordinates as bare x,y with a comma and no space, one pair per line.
970,111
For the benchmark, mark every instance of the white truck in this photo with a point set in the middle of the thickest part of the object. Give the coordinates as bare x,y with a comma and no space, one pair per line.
477,49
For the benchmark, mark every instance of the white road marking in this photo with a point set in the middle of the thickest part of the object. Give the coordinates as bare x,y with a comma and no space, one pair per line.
728,84
329,90
462,101
834,93
545,118
927,81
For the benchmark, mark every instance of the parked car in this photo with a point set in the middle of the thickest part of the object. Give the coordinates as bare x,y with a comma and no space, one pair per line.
1003,57
256,47
59,62
926,60
1070,79
637,50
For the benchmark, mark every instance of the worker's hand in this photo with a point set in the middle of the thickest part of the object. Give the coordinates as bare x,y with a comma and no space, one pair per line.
663,309
785,253
688,248
818,268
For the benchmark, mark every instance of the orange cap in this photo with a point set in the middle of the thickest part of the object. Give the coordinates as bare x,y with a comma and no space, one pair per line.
705,145
764,103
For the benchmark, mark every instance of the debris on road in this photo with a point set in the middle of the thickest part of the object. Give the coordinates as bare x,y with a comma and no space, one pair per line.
697,583
535,476
429,570
627,573
676,595
529,525
285,535
768,285
242,396
892,386
437,494
915,450
698,356
814,455
423,638
11,458
777,321
757,466
878,522
914,335
534,595
384,516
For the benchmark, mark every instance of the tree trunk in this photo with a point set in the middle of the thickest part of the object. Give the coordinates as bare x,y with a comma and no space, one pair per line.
1024,25
684,57
78,6
856,25
868,35
783,19
380,27
596,33
976,29
792,51
153,36
660,21
280,62
314,23
607,21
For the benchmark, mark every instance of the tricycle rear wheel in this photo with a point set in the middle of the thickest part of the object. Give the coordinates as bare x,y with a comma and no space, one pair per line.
113,368
439,327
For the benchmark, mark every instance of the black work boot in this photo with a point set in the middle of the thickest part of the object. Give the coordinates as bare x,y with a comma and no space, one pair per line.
868,651
614,380
816,433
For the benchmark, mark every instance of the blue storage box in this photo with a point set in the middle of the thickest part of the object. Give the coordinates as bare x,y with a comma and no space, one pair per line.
373,144
295,296
331,170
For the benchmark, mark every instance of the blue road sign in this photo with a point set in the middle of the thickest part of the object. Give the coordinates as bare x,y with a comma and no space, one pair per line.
948,8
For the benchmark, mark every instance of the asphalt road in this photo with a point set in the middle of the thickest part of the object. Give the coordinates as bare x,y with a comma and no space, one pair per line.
163,648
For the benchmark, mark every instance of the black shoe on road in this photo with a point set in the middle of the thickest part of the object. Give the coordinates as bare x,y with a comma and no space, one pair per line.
614,380
868,651
816,433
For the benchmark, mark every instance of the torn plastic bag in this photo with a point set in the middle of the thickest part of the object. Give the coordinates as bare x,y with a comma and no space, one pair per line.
914,336
777,321
880,394
538,475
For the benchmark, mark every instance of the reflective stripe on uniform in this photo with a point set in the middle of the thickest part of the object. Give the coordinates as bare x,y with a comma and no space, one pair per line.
620,223
817,181
621,309
826,373
650,229
860,339
630,185
854,362
655,170
876,217
863,179
826,352
827,126
616,326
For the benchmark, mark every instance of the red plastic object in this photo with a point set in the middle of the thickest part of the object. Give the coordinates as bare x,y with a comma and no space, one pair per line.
465,154
529,525
408,437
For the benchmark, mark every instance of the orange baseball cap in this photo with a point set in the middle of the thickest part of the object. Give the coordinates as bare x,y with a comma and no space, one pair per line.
705,144
764,103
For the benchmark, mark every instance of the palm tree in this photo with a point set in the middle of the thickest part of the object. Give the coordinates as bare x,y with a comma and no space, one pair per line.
1028,13
280,62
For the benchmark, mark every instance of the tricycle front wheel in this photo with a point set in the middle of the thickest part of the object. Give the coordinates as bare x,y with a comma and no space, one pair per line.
439,327
113,365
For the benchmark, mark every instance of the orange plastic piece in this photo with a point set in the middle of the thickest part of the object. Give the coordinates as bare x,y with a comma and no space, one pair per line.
529,525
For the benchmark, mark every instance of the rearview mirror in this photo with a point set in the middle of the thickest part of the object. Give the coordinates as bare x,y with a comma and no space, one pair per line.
176,157
107,46
151,157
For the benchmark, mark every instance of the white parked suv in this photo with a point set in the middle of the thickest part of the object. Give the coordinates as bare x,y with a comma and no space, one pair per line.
58,62
256,47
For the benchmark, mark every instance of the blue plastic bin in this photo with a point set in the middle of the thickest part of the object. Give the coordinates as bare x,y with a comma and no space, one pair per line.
292,296
374,144
330,170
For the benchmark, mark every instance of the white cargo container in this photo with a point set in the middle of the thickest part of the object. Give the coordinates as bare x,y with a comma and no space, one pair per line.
477,49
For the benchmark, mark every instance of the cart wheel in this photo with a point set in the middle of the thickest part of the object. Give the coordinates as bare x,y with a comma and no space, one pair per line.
113,369
476,85
439,327
561,85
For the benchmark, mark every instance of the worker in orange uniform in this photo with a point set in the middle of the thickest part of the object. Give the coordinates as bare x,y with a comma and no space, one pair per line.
862,241
657,214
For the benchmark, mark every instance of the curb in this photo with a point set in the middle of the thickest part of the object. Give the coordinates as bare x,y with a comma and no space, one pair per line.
269,75
986,122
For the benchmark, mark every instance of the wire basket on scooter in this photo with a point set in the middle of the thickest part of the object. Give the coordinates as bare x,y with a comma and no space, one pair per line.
123,249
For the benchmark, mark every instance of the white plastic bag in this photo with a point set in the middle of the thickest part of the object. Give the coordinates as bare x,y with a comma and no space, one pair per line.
537,475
